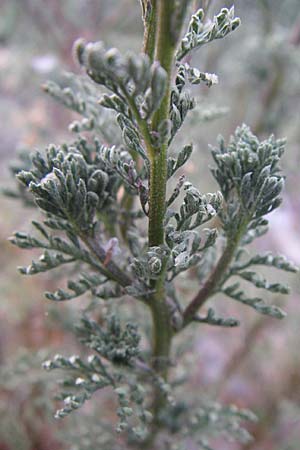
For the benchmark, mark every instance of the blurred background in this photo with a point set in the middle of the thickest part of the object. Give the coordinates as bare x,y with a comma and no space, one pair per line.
256,366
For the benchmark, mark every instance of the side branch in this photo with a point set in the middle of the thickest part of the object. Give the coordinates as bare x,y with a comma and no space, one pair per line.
212,282
142,125
109,267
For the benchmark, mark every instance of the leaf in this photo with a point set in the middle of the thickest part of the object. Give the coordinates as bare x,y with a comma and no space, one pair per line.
201,32
211,319
257,303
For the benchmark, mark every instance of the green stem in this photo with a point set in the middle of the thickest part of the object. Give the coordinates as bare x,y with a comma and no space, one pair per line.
160,43
161,347
164,53
162,330
150,28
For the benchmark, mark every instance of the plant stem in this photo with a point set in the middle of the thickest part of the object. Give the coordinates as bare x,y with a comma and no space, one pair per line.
164,53
110,268
161,348
214,279
162,331
150,28
160,41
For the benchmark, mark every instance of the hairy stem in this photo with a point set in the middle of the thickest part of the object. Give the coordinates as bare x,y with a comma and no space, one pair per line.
160,41
162,330
164,53
149,28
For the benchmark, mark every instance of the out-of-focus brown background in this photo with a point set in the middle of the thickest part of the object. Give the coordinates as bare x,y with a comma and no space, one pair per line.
257,366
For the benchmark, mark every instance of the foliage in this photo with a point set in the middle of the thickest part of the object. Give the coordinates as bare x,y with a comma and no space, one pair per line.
98,195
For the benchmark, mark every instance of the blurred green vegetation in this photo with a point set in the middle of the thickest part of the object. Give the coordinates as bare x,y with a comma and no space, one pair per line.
258,69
